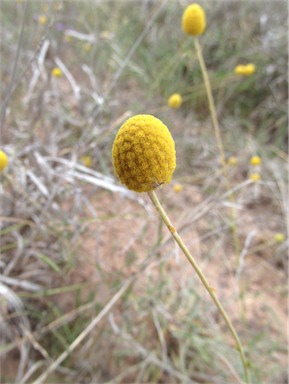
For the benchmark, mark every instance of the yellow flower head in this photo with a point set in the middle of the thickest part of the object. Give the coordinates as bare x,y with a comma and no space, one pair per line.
87,47
56,72
245,70
279,237
106,35
232,160
194,20
255,177
143,153
67,38
178,188
3,160
175,100
250,69
42,20
255,160
239,70
87,161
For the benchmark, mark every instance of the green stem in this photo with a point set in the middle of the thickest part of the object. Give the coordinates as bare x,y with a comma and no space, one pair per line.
218,138
202,277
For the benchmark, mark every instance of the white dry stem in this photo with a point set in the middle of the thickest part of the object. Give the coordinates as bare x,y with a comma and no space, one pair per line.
95,178
91,76
20,284
41,58
161,337
38,183
31,371
84,333
32,84
5,102
16,256
80,36
243,254
75,87
16,305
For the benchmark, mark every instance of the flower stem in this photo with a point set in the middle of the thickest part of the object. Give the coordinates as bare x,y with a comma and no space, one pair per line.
218,139
202,277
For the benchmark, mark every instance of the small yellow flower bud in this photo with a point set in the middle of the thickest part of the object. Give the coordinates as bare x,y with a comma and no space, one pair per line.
245,70
232,161
279,237
255,177
194,20
239,70
255,160
56,72
143,153
42,20
178,188
175,100
250,69
87,161
87,47
3,160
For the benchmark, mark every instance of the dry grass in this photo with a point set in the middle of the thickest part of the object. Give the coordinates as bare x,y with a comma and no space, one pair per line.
92,287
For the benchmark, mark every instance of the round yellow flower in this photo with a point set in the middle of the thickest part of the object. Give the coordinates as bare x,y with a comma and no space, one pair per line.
87,47
42,19
56,72
245,70
279,237
194,20
87,161
255,160
250,69
239,70
143,153
175,100
255,177
178,188
3,160
232,160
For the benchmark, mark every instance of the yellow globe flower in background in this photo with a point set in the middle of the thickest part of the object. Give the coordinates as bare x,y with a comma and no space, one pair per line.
56,72
239,70
87,161
3,160
87,47
175,100
250,69
194,20
255,177
232,161
245,70
279,237
178,188
42,20
143,153
255,160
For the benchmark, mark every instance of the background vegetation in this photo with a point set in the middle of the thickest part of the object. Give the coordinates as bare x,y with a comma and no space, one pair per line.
92,286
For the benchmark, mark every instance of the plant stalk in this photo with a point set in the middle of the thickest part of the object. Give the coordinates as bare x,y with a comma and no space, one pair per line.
218,136
203,279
